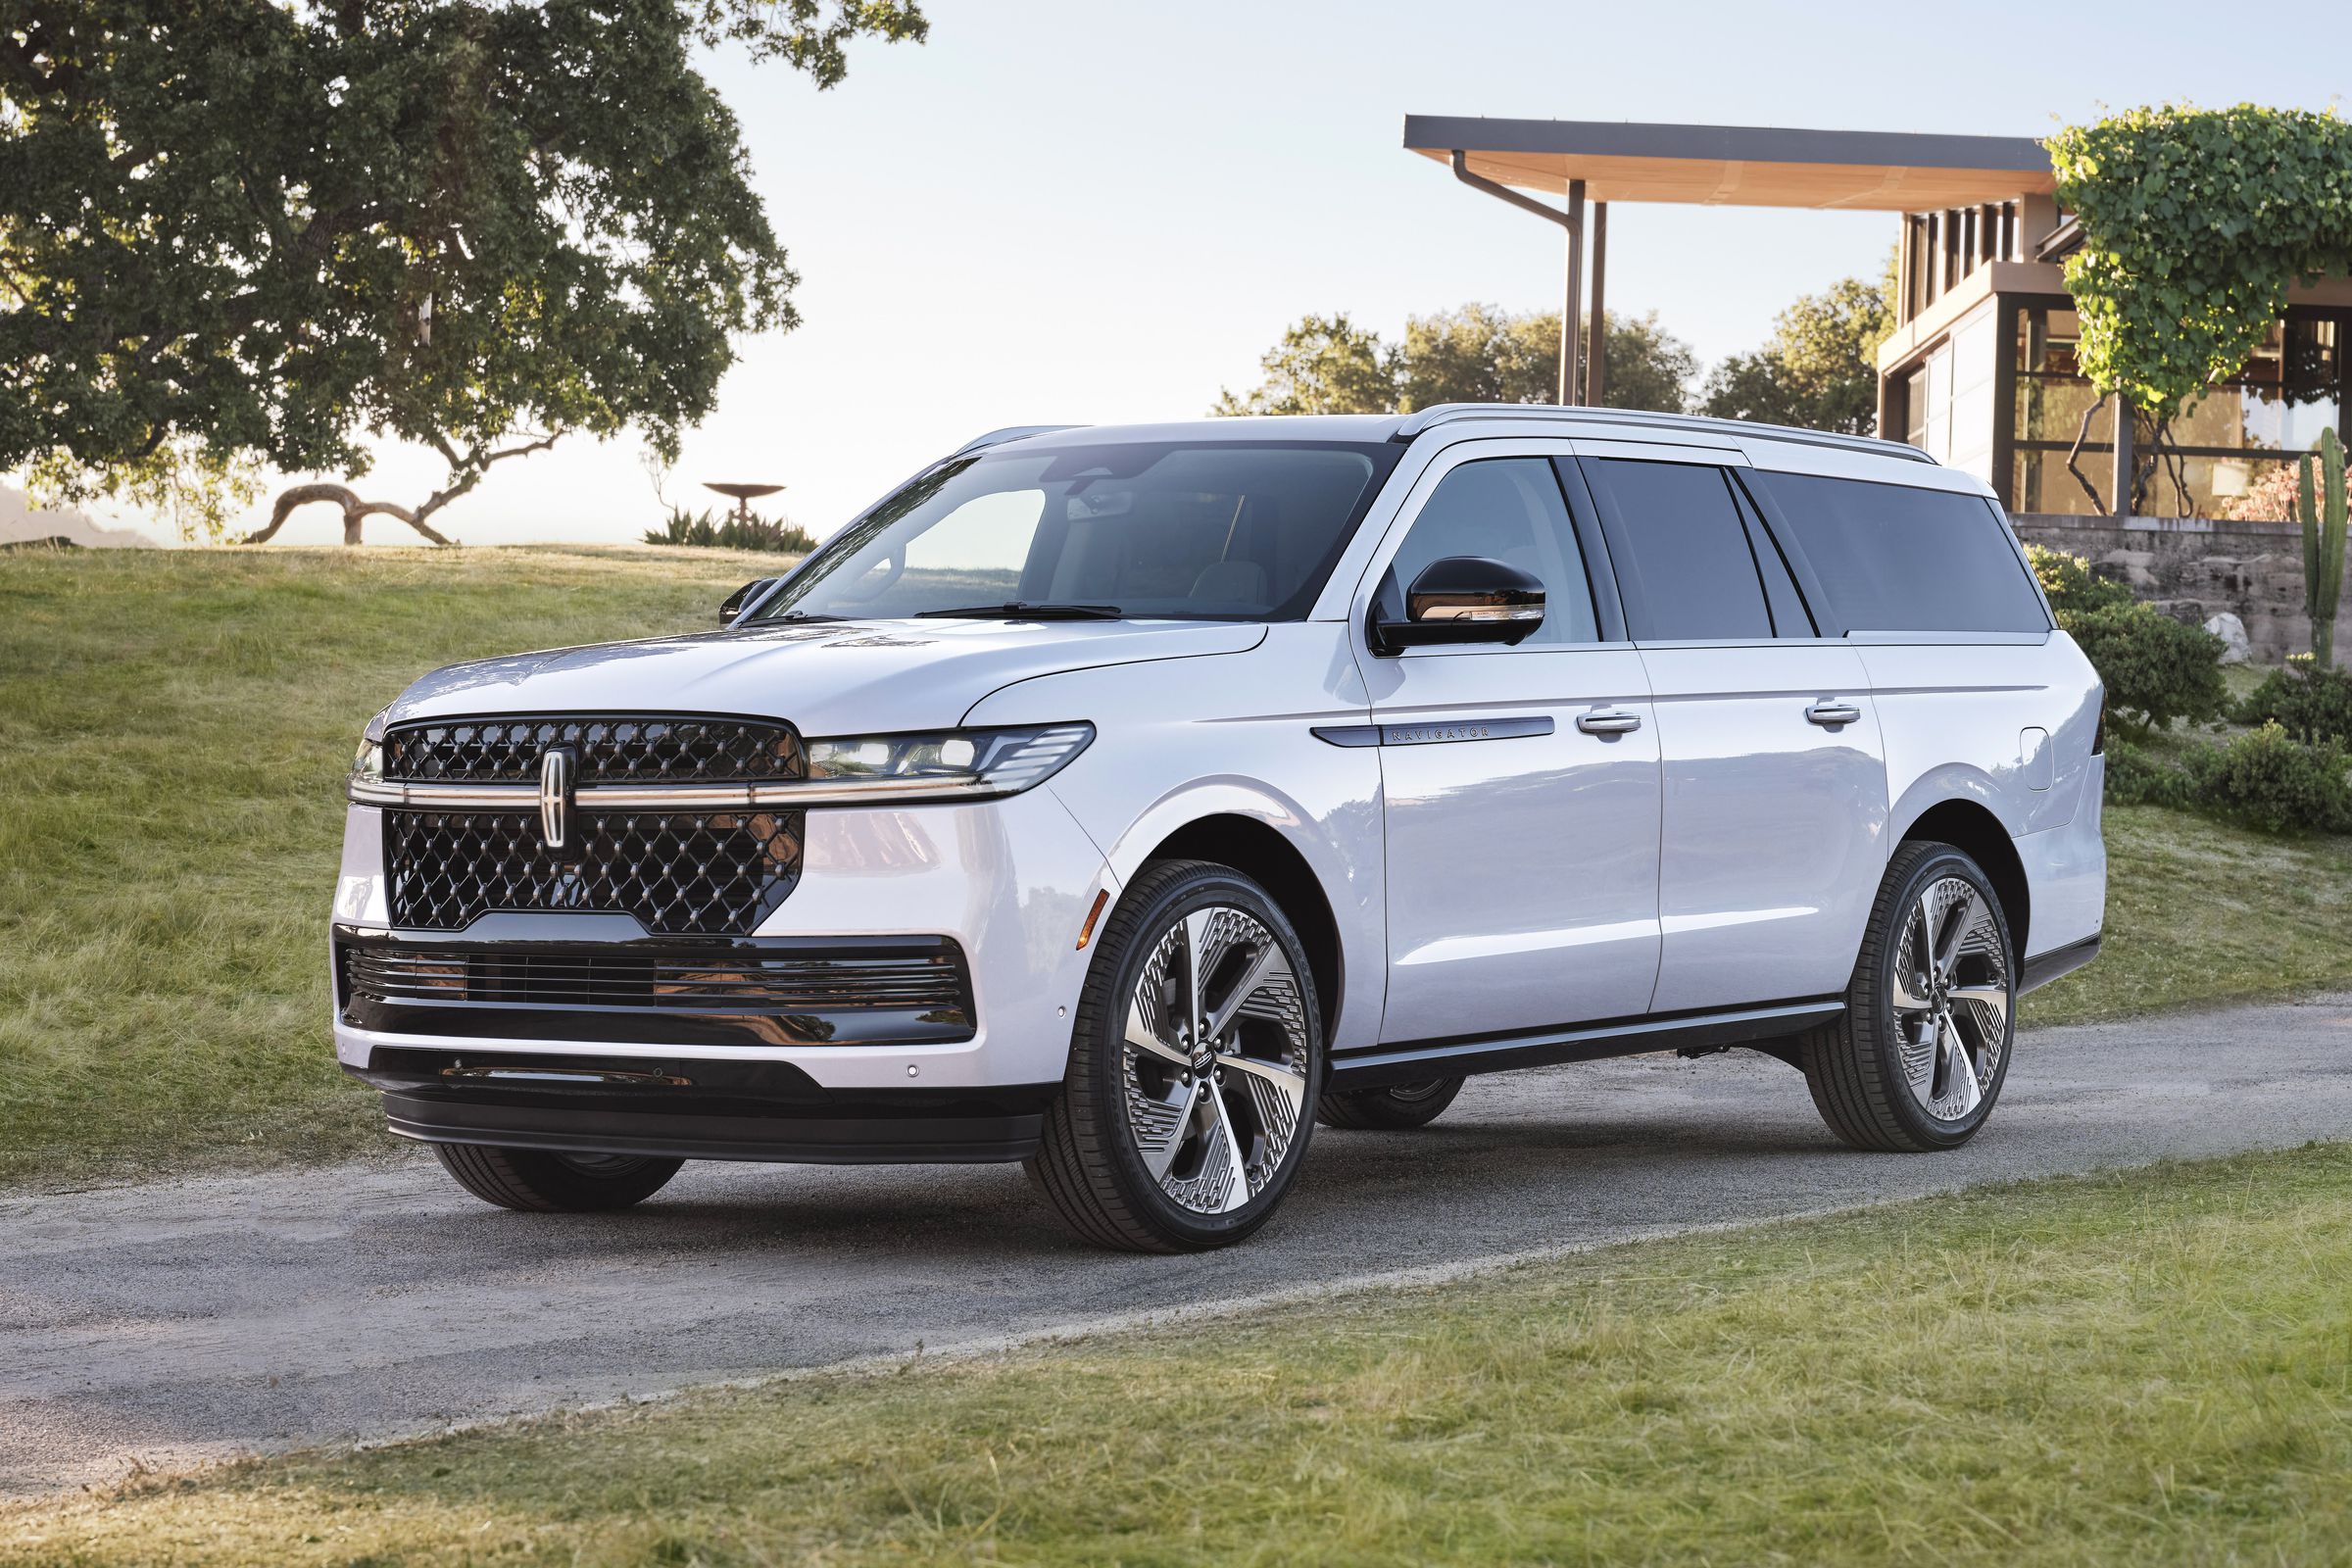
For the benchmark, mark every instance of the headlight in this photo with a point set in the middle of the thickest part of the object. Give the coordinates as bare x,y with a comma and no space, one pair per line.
947,765
367,762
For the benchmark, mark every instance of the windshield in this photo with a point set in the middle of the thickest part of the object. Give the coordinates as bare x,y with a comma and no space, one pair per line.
1185,530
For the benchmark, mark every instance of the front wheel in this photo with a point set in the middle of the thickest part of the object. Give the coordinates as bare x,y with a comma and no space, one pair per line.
1196,1052
1919,1053
541,1182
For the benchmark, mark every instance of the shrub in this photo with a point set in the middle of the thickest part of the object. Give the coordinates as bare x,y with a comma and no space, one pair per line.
2154,666
2138,776
2309,702
2269,780
2070,584
728,532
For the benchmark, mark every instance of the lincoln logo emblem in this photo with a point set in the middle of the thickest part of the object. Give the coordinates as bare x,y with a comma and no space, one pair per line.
558,766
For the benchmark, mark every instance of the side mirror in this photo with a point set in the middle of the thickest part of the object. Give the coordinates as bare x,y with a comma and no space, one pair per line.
1462,599
743,598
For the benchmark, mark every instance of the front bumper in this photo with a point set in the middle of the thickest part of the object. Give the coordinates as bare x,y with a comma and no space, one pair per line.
1007,884
695,1108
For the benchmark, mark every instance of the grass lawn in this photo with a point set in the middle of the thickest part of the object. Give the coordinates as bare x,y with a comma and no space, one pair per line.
173,731
174,726
2149,1368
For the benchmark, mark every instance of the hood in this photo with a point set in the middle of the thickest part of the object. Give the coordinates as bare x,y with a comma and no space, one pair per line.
833,678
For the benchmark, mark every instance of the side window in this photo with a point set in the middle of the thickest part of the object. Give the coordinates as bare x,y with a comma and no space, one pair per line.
1894,558
1508,509
1680,550
1790,617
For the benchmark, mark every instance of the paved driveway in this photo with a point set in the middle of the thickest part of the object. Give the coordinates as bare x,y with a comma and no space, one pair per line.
179,1322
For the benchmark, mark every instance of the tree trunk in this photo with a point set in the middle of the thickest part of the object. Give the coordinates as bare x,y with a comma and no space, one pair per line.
353,511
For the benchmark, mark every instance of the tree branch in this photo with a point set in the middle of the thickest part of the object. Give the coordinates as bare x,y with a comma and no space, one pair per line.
2089,410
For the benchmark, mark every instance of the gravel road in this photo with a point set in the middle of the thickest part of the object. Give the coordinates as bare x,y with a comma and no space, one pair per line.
170,1324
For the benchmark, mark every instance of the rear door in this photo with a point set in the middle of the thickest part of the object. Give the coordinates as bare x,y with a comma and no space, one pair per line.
1774,820
1520,784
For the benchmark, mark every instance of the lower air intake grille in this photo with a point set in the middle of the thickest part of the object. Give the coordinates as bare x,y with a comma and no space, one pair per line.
721,981
712,874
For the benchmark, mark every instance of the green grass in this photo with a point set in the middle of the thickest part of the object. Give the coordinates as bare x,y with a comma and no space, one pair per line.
2148,1367
2200,913
174,730
174,726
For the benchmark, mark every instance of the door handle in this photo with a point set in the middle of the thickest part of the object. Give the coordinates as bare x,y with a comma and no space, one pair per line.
1831,715
1608,722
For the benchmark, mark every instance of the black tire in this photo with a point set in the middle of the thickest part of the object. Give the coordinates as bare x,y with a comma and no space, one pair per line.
1395,1108
537,1182
1089,1164
1856,1066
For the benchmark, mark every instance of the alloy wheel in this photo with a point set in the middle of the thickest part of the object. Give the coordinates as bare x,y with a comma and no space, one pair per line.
1214,1060
1951,997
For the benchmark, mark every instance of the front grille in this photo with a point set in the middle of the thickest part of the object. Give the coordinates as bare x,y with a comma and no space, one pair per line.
684,873
612,751
721,981
678,872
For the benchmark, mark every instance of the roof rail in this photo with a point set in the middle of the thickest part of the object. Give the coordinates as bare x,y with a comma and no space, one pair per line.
1010,432
1454,412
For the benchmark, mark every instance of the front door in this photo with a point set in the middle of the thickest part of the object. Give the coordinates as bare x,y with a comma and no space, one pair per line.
1520,784
1774,834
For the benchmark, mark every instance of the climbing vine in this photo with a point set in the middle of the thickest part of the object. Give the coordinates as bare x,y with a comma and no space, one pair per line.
2195,222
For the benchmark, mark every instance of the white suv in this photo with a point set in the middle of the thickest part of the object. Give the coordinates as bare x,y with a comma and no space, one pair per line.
1124,801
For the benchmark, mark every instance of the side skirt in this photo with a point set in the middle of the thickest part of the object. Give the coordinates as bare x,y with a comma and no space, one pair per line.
1419,1060
2040,972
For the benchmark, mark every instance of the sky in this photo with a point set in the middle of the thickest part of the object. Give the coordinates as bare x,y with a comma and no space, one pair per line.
1073,211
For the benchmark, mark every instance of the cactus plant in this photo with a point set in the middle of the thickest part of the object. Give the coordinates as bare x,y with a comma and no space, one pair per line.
2320,511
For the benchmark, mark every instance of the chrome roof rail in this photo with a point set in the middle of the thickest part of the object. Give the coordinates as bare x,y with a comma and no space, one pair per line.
1010,432
1634,418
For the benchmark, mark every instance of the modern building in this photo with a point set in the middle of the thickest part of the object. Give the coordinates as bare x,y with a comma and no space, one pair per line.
1980,369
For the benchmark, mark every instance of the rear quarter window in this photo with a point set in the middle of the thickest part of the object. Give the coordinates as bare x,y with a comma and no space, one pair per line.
1893,558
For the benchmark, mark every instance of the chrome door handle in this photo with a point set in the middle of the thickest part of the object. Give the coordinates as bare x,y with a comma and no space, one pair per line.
1608,722
1833,714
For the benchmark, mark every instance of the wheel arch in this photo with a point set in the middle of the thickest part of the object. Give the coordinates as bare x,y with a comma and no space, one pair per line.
1971,825
1260,853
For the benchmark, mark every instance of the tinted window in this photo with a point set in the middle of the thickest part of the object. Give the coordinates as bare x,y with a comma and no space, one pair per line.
1507,510
1235,530
1890,557
1680,550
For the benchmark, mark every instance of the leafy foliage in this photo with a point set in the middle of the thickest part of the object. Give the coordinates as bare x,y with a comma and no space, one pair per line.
1323,365
246,235
2155,669
2070,584
1820,371
725,531
2310,702
1474,354
2194,221
2272,782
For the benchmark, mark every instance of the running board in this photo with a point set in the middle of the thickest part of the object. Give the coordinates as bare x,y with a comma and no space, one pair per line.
1422,1060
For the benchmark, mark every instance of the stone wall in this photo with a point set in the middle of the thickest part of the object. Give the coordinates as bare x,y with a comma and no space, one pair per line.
2195,569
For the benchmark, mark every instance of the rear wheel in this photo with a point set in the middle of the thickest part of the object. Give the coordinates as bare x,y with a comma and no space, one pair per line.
541,1182
1195,1054
1919,1057
1395,1107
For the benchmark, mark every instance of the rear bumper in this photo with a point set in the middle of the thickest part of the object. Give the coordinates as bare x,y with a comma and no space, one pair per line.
696,1108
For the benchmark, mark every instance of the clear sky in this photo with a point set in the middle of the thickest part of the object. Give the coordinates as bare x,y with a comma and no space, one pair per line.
1079,210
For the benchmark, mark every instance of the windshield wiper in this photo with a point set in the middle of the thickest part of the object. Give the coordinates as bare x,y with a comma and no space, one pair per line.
1019,611
801,616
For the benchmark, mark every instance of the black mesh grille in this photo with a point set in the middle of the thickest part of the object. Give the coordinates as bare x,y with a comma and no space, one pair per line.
713,873
612,751
932,981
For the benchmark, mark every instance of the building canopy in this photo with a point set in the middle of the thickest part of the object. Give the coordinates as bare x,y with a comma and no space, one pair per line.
1740,165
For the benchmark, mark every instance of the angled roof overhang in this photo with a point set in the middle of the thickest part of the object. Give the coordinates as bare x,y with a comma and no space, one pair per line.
1740,165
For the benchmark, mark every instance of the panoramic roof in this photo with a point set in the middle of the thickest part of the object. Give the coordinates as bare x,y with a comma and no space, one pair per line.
1740,165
